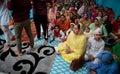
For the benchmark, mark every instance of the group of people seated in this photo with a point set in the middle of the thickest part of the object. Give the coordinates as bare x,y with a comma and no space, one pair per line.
86,29
82,27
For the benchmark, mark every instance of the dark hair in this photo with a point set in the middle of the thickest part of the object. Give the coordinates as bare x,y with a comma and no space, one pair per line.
118,17
107,16
62,15
57,26
87,28
78,25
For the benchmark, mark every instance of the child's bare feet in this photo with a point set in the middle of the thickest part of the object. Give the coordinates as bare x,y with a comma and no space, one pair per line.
18,53
6,48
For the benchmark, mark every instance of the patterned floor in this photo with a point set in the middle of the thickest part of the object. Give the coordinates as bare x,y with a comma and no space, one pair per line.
59,65
62,67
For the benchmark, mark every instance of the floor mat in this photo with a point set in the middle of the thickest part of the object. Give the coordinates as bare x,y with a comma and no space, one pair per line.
37,62
62,67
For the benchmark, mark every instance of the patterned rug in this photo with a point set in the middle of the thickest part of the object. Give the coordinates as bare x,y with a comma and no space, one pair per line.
37,62
42,61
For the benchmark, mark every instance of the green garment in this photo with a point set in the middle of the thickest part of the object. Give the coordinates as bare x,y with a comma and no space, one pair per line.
116,51
104,31
92,26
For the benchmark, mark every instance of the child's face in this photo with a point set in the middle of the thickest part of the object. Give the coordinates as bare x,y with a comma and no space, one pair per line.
97,36
87,30
56,29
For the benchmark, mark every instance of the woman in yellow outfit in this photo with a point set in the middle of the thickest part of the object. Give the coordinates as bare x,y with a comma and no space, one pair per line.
74,46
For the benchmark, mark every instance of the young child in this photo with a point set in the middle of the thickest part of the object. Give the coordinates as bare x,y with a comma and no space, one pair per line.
57,34
106,65
88,32
95,45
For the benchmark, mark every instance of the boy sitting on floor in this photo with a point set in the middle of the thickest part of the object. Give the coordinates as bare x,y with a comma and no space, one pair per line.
95,45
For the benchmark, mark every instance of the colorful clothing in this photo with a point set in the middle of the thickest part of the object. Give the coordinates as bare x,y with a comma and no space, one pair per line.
64,25
92,26
77,43
101,67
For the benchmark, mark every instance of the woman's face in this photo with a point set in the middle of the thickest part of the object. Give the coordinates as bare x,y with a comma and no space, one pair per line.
96,22
100,14
85,16
62,18
75,29
105,18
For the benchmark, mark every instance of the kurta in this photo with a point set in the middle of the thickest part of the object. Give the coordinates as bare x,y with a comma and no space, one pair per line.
77,43
95,47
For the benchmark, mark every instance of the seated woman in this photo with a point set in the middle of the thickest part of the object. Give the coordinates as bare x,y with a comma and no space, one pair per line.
98,24
85,20
74,47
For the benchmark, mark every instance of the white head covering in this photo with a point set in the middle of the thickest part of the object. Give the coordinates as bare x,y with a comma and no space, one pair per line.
97,31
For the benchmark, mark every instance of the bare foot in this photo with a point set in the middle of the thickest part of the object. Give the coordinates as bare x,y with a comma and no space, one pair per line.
18,53
6,48
45,42
32,48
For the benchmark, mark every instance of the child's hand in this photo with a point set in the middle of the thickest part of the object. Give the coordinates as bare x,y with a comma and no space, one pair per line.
91,57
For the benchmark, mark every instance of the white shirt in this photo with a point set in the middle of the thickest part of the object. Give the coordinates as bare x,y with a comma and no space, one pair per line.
95,47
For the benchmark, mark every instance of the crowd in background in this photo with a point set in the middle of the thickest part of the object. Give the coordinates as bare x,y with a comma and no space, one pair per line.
78,24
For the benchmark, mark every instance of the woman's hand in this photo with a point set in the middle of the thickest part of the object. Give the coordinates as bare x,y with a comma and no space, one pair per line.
68,51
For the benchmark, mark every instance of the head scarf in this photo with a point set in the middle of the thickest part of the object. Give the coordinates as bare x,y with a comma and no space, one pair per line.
99,19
